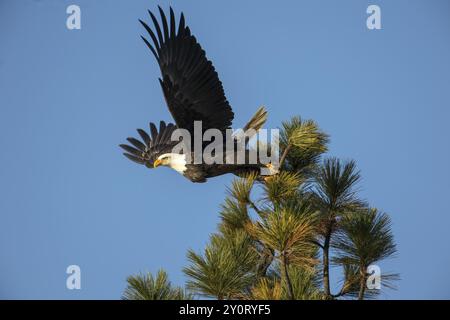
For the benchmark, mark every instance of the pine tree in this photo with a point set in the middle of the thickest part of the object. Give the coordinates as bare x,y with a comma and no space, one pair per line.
278,237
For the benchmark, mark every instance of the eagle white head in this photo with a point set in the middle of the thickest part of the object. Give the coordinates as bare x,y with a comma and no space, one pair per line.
175,161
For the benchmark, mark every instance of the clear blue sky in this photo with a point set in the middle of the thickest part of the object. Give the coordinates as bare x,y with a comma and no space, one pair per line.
68,98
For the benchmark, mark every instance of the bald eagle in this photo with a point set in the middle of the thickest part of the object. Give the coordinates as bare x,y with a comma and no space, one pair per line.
193,92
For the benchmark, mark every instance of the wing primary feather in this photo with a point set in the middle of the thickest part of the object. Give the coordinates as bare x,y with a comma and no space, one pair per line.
167,133
173,46
159,134
166,35
152,34
172,24
181,54
158,29
153,132
144,135
134,158
136,143
181,25
131,150
164,22
162,126
151,48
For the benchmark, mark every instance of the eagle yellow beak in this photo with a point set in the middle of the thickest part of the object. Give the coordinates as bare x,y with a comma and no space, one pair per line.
156,163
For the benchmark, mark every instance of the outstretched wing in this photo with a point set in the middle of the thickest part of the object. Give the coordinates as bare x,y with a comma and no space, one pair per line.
190,84
152,146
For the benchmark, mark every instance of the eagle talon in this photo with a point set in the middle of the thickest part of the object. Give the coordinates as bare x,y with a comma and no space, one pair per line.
272,171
